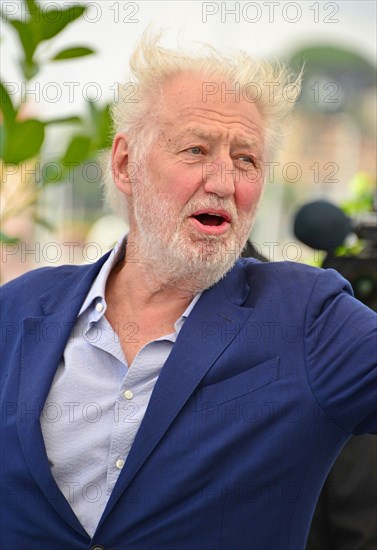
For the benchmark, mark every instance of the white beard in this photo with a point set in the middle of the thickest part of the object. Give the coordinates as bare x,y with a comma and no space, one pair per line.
174,254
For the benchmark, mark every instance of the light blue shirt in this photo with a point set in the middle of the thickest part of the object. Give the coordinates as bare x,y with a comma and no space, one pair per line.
96,404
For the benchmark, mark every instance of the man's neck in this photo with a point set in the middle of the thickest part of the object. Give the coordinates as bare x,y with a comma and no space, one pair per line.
131,303
133,286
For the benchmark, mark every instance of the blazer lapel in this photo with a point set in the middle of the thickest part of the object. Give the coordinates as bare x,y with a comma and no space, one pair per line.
43,342
212,325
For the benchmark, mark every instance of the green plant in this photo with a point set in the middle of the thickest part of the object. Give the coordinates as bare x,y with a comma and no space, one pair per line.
22,139
363,189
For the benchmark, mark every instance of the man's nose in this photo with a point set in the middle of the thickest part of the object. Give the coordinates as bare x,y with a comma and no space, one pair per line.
219,177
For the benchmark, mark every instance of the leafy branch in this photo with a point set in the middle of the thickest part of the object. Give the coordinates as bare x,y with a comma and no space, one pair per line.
22,139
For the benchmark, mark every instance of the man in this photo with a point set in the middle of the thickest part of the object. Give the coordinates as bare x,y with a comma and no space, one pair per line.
169,396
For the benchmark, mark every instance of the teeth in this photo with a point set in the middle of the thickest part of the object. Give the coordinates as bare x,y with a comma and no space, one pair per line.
217,215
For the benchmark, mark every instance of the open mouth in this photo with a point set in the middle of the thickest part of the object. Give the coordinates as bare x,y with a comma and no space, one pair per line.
209,219
211,222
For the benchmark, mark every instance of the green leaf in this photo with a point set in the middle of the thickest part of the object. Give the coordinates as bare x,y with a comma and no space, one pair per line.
32,5
77,150
55,20
53,172
70,53
29,68
24,142
106,129
3,139
101,123
64,120
26,37
9,112
8,240
103,129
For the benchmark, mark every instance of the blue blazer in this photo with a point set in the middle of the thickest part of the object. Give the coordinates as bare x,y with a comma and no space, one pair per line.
272,371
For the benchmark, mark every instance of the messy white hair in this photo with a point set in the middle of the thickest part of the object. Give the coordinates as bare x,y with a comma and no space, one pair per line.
140,101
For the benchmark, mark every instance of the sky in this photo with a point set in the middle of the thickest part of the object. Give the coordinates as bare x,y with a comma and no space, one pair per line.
264,28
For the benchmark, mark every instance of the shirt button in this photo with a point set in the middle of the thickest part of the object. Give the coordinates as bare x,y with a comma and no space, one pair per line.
128,394
119,464
99,307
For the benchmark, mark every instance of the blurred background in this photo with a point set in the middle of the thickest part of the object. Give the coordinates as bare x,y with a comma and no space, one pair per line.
61,65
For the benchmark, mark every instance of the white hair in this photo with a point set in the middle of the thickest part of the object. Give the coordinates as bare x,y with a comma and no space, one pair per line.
140,104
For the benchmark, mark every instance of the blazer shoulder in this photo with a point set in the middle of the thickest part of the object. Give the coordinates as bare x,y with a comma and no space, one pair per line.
292,279
279,271
30,286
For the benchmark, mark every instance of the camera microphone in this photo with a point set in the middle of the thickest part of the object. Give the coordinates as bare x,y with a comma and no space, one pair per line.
321,225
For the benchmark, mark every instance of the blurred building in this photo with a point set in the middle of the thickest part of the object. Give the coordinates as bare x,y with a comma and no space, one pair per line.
332,138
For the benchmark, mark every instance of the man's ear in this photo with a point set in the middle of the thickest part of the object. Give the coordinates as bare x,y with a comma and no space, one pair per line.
120,163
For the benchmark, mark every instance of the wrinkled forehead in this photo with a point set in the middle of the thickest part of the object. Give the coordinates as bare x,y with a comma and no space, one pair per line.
191,100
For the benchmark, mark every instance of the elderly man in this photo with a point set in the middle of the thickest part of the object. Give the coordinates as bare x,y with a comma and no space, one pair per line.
172,395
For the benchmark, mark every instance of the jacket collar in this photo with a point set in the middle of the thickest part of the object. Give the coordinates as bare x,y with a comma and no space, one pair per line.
75,288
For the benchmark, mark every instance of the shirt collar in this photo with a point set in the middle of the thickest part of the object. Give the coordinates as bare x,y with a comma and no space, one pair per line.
179,322
97,290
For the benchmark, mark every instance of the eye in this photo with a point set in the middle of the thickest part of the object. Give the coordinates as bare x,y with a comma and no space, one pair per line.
195,150
247,159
